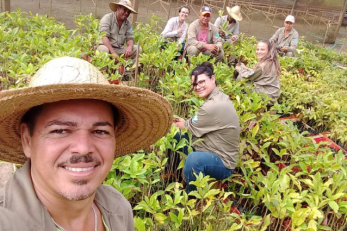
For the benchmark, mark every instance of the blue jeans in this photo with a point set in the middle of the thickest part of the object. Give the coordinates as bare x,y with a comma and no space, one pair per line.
207,163
196,162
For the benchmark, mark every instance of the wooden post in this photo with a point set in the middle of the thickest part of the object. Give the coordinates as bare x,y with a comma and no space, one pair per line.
8,5
225,4
50,8
136,8
96,9
137,63
338,26
294,6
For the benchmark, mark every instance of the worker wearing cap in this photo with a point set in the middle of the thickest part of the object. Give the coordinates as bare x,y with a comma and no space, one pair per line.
230,34
286,38
118,31
203,37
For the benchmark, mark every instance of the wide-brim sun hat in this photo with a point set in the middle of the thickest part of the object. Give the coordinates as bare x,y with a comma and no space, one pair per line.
145,115
126,3
235,12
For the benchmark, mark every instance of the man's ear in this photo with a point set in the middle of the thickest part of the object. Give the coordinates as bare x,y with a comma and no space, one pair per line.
213,78
25,139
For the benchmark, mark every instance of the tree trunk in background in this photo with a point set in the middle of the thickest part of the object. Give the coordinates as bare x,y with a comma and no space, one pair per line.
8,5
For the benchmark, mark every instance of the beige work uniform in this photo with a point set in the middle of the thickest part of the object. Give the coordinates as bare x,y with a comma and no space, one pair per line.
231,31
291,41
19,204
194,46
217,123
265,81
117,36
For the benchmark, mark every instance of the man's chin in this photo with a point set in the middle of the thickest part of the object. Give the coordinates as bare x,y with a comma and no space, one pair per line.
78,193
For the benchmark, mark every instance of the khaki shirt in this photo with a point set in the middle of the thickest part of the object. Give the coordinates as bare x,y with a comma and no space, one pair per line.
291,41
217,123
212,37
265,81
231,31
19,203
118,37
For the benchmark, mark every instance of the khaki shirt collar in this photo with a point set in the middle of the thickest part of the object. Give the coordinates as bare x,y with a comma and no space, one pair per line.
213,93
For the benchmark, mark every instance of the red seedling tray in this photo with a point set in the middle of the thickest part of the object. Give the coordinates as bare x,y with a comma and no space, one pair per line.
322,138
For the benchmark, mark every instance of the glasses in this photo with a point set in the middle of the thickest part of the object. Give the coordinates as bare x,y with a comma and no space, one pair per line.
201,83
186,13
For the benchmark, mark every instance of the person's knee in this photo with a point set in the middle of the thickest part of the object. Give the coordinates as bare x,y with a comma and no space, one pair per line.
220,56
290,54
103,48
192,51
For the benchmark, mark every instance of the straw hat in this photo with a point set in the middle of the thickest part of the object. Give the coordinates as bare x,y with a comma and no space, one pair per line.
235,13
126,3
145,115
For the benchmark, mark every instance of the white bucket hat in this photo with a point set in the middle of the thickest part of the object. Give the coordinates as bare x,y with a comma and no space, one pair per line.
235,13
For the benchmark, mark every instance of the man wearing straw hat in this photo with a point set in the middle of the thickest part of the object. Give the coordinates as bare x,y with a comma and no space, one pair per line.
286,38
229,25
118,31
66,128
203,37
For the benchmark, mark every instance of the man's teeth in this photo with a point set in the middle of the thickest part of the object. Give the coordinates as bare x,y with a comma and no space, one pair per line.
79,169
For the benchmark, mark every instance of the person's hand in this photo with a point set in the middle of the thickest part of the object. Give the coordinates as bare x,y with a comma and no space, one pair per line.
233,40
179,31
221,33
115,57
284,49
213,48
179,122
238,68
128,52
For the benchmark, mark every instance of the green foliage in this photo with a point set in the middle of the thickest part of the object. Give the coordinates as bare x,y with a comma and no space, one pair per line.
283,181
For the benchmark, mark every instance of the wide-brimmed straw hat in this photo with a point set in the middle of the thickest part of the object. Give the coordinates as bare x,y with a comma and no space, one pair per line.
235,13
126,3
145,115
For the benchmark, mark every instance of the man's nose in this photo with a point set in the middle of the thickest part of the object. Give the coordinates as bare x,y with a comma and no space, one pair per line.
82,143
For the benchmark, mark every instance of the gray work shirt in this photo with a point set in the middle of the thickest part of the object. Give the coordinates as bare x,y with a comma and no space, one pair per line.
217,123
117,36
231,31
291,41
266,80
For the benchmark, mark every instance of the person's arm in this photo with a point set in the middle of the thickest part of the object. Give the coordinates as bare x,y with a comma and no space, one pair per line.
293,43
105,27
217,40
274,37
192,37
130,41
250,74
235,32
202,123
218,22
169,31
184,33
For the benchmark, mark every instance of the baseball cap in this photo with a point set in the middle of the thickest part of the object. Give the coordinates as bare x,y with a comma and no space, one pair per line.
290,18
205,10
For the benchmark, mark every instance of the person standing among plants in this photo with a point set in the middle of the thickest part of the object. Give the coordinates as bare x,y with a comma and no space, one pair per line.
118,31
286,38
265,74
217,124
67,128
203,37
176,28
229,25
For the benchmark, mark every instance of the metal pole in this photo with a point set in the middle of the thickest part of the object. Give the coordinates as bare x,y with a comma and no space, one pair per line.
338,26
136,8
8,5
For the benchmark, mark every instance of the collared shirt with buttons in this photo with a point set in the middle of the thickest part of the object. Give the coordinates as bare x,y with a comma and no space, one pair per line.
231,31
290,41
171,28
117,36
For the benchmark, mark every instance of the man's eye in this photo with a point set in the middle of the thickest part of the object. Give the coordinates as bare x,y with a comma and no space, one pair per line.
59,131
101,132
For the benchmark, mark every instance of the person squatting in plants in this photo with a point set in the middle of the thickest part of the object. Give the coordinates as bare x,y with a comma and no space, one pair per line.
265,74
118,31
203,37
217,124
231,33
286,38
67,128
176,28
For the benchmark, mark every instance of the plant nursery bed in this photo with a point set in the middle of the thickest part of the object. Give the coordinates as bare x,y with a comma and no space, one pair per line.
323,138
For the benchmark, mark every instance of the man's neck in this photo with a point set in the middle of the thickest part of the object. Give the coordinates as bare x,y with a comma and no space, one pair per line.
203,26
71,215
